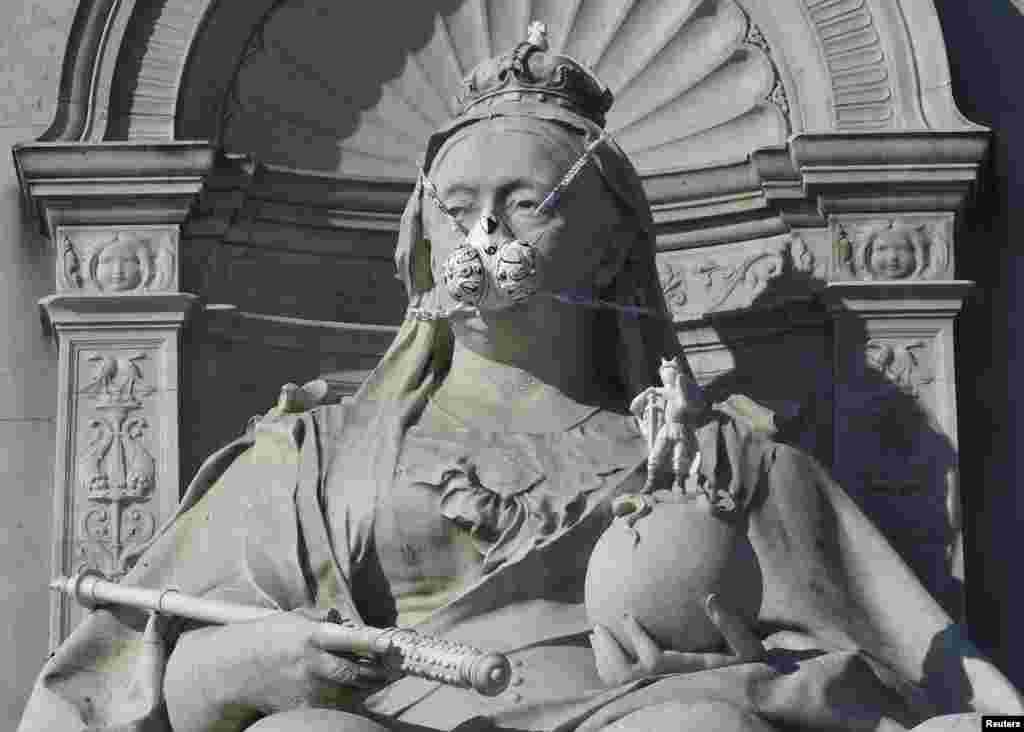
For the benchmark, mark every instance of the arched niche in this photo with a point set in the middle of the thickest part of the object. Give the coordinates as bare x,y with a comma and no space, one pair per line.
771,135
146,69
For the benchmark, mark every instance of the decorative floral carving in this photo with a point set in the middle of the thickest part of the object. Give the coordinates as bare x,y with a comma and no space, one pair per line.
779,99
725,281
899,363
892,249
127,261
777,96
69,268
755,37
672,284
116,470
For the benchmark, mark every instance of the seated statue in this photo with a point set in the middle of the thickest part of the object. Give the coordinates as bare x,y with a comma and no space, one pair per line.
463,490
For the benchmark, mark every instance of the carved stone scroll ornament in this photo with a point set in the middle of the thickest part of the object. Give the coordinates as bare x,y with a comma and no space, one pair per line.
114,263
892,250
116,471
731,280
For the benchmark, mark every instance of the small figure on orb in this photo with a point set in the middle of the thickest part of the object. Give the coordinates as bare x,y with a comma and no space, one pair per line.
666,419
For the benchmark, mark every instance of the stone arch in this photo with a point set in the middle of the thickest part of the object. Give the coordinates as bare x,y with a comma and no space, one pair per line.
161,69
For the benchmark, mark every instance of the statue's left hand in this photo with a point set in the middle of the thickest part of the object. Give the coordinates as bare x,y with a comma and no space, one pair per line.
615,666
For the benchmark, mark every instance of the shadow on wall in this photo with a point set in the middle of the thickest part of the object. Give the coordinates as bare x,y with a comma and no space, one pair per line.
886,449
312,71
983,42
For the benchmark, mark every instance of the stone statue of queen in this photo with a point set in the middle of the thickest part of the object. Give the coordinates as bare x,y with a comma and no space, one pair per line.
463,489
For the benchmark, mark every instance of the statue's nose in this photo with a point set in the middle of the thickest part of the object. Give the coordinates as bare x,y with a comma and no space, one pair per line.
490,224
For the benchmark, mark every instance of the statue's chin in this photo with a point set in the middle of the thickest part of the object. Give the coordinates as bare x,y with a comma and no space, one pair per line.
661,571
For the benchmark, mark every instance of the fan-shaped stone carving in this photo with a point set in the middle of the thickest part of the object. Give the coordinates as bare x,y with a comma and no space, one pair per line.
693,81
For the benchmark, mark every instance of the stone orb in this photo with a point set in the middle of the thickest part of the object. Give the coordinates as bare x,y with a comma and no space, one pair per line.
663,568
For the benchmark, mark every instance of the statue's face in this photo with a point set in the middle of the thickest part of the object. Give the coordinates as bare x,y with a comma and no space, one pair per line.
892,256
119,268
505,169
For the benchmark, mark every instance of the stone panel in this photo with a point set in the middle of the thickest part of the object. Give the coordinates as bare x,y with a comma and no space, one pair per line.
892,248
117,259
117,471
738,276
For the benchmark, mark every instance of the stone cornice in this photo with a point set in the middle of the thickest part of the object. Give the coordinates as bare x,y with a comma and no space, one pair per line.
898,299
94,312
74,183
889,171
778,188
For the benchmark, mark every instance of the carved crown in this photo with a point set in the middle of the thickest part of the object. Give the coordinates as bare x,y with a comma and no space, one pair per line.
530,72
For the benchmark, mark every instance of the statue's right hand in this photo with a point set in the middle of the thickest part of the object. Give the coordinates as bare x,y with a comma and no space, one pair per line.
241,671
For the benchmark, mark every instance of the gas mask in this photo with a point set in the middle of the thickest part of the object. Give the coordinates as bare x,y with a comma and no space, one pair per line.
492,270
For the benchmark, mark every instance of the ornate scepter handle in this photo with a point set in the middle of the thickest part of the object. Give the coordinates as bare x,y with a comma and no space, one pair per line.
415,654
401,650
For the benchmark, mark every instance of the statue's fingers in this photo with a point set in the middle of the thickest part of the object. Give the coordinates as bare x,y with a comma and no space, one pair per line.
648,654
738,636
613,665
344,671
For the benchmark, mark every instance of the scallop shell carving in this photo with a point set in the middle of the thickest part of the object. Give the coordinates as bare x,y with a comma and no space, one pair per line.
693,81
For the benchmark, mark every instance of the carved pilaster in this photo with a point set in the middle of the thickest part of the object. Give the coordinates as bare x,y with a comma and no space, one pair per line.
895,440
113,212
117,467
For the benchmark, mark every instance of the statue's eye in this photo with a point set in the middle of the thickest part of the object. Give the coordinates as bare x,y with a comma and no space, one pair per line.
524,205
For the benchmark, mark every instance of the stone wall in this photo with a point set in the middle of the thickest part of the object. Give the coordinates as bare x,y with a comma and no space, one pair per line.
32,40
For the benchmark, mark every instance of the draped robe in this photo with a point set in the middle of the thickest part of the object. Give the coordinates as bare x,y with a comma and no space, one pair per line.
284,516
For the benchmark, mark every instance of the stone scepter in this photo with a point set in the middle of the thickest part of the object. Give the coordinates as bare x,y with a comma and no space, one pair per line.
400,650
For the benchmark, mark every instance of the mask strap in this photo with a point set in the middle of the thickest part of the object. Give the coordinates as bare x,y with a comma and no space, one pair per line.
431,189
551,200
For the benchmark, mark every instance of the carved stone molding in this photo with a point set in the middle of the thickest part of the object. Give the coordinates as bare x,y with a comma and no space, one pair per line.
697,284
904,248
885,172
856,63
112,184
117,259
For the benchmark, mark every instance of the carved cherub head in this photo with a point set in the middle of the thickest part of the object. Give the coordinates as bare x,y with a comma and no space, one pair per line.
894,252
121,264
